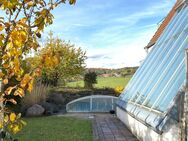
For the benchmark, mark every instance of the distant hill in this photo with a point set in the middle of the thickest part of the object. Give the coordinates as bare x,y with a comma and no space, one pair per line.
104,72
126,72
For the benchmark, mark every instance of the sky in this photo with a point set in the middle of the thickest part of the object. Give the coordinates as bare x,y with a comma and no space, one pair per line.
112,32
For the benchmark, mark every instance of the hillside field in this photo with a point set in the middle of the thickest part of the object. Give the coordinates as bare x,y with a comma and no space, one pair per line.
104,82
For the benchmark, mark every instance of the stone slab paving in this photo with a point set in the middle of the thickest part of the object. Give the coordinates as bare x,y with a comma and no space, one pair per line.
107,127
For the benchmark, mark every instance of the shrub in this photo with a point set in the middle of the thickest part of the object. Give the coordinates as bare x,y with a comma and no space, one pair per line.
119,89
37,96
90,78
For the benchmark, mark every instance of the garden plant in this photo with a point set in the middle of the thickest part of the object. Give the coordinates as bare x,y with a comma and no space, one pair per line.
20,28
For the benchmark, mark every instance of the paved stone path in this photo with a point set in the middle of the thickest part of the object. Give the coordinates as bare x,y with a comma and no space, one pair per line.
106,127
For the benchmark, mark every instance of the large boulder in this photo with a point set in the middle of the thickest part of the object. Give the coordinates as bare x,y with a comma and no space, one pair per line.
35,110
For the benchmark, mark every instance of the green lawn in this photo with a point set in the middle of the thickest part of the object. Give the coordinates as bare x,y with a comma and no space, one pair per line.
109,82
56,129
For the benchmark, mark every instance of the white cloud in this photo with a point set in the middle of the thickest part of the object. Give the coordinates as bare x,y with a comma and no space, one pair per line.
111,39
120,55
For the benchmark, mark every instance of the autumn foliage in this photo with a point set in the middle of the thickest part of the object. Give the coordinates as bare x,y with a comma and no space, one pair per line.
61,61
20,27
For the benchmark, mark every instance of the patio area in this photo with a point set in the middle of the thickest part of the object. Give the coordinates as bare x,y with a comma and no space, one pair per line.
106,127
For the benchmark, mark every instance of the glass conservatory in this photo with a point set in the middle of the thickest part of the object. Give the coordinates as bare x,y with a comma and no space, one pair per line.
152,97
94,103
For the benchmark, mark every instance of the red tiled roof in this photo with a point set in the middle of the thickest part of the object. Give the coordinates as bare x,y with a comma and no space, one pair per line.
164,24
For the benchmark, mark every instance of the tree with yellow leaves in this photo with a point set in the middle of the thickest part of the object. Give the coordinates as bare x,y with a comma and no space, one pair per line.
69,61
20,28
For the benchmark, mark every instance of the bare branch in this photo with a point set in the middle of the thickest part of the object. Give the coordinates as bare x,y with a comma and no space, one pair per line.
17,13
10,15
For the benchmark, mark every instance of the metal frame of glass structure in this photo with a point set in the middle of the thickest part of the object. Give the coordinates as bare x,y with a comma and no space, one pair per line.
160,80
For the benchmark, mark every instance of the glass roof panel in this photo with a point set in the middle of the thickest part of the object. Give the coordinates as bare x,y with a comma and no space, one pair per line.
159,79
